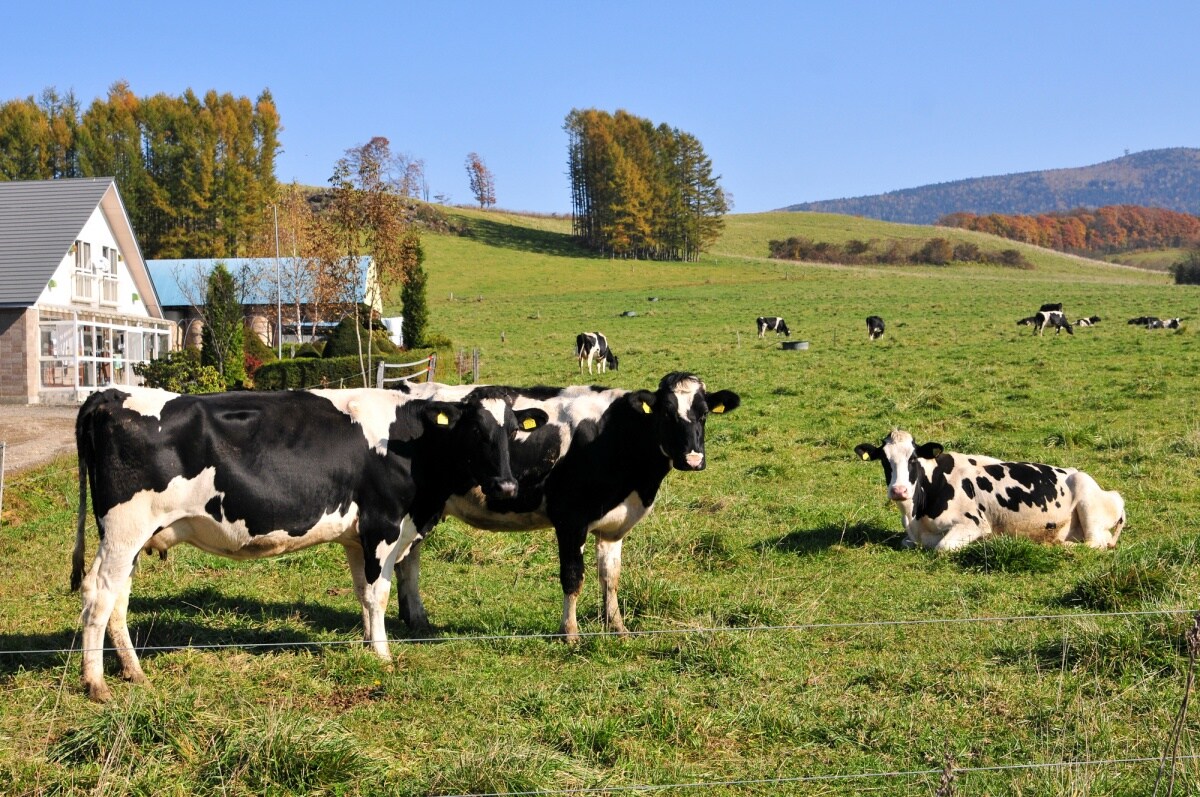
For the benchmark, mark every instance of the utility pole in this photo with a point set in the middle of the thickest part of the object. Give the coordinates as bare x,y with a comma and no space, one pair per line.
278,289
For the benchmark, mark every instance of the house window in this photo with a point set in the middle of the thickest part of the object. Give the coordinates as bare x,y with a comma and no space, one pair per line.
106,270
84,281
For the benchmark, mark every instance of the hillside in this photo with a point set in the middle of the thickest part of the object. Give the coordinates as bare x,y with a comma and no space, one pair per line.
1165,178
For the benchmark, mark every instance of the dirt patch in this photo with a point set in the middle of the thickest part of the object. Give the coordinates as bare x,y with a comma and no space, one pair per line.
34,434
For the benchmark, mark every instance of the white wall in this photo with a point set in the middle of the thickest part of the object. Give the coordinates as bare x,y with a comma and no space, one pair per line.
97,233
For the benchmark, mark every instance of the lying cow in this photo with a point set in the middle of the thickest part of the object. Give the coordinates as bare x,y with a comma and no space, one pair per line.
594,346
1051,318
874,327
775,324
1090,321
249,475
1153,322
949,500
595,467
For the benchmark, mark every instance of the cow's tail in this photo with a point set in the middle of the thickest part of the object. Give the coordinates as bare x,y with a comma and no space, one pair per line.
580,342
84,450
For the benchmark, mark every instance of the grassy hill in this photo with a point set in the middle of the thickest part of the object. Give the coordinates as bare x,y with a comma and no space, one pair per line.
789,635
1165,178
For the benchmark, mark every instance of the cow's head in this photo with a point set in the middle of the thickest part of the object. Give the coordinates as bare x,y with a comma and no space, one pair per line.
611,359
783,327
676,414
900,457
481,428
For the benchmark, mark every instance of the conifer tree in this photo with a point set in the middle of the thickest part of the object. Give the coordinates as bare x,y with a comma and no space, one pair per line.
222,341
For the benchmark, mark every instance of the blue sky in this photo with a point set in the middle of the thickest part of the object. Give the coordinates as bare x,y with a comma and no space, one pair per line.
793,101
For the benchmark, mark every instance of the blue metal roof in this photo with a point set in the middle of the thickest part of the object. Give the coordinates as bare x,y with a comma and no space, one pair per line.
170,275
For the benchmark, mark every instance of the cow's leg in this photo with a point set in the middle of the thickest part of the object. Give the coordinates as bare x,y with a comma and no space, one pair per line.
570,575
381,557
357,563
408,582
608,570
102,589
118,632
958,537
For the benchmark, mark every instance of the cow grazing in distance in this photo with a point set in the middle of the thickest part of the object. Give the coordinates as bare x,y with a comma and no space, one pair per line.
1051,318
249,475
949,500
594,468
874,327
594,346
1090,321
773,324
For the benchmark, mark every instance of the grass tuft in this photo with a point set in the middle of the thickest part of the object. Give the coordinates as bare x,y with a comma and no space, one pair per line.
1121,587
1005,554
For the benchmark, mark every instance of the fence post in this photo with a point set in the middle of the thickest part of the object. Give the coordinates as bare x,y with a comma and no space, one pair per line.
3,446
475,366
379,374
432,367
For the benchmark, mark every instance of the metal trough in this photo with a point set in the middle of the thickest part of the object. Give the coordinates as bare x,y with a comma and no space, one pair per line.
794,345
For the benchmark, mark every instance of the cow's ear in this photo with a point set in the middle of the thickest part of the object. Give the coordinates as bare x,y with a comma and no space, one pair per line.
929,450
866,451
722,401
530,419
643,401
442,414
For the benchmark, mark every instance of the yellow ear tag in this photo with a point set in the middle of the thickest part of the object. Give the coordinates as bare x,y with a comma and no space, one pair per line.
442,420
719,409
866,456
646,408
529,423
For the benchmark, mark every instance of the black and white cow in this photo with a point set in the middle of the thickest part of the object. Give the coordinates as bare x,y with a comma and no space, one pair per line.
773,324
1152,322
595,467
1090,321
874,327
949,500
249,475
1051,318
594,346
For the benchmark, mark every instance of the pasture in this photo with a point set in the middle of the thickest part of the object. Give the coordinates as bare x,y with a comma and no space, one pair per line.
786,654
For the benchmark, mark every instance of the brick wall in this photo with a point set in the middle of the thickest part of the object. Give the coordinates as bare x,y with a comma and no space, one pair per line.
18,355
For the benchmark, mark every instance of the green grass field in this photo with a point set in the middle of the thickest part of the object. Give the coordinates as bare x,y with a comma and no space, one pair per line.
776,576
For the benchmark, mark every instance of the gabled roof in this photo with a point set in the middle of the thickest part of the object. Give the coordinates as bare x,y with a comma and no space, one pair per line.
258,272
40,219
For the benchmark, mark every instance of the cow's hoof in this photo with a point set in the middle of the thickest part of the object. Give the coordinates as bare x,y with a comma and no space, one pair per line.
570,635
99,692
135,676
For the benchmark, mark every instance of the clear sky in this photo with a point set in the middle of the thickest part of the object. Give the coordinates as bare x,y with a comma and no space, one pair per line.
793,101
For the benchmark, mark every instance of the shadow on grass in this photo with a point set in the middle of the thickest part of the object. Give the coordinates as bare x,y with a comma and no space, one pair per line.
808,541
509,236
187,619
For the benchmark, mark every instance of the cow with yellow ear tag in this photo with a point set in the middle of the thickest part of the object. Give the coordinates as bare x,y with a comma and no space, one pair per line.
594,468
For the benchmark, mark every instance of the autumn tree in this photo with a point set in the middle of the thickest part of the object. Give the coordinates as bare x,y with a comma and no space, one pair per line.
483,184
641,191
194,172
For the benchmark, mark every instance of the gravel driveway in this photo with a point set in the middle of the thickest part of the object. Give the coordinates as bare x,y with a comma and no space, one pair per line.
35,434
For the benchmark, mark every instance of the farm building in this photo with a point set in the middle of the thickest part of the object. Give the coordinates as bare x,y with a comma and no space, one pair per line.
77,307
271,299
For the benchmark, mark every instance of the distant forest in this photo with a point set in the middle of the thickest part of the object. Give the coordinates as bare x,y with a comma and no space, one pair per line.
197,175
1106,230
1164,178
641,191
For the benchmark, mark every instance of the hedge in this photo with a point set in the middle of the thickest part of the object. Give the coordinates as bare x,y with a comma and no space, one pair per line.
337,372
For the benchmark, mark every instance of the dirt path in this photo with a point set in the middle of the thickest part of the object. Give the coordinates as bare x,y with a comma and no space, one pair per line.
33,434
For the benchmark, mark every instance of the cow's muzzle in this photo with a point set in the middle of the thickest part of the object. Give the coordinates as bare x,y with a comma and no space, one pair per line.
503,488
898,493
694,460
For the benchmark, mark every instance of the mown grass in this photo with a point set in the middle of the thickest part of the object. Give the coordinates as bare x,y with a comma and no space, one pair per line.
786,529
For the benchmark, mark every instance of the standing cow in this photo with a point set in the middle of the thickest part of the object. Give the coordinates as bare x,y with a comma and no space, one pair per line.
594,468
773,324
874,327
594,346
949,500
250,475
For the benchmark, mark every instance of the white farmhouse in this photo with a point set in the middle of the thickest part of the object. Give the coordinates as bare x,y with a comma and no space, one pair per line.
77,307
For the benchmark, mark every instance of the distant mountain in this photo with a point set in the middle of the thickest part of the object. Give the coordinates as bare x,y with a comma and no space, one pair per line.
1162,178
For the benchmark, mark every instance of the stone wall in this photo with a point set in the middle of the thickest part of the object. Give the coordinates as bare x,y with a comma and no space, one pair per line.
18,355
